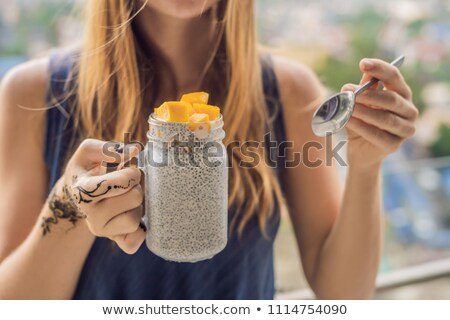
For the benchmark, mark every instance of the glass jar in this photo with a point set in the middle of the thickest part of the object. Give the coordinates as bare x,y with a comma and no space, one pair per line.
186,190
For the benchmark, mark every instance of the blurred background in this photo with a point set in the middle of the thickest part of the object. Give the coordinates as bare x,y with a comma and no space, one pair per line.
331,37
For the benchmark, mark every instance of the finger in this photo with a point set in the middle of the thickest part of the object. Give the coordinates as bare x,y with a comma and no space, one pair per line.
120,223
120,155
388,74
88,189
367,77
353,87
124,223
388,100
104,211
130,243
385,120
377,137
92,153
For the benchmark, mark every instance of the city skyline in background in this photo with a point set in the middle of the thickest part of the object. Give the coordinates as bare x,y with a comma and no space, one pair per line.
331,37
322,34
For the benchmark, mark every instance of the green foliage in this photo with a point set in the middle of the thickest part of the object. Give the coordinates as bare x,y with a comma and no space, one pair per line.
36,21
363,30
415,27
416,81
441,147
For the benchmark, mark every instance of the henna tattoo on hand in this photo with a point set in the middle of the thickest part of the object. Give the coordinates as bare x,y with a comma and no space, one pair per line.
62,207
83,195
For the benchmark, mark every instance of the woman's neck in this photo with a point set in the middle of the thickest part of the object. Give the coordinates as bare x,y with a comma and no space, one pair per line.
180,48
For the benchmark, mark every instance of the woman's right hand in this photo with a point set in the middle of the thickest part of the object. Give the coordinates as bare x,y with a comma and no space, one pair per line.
111,201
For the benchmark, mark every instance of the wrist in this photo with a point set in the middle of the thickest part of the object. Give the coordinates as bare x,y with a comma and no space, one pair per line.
372,170
62,211
58,187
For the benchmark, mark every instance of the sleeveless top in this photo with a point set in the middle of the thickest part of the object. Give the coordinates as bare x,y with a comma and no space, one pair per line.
243,270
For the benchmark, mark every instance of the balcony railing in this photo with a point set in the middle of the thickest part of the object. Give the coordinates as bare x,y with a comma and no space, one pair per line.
417,204
393,279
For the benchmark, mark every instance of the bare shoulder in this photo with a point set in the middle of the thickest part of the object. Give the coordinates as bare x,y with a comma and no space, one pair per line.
25,85
22,117
299,85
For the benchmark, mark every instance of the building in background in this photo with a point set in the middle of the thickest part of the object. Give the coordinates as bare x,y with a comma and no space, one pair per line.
330,36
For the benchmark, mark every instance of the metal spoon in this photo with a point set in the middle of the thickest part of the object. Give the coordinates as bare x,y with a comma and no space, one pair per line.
334,113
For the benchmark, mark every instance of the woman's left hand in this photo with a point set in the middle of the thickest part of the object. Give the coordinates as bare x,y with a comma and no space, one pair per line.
382,119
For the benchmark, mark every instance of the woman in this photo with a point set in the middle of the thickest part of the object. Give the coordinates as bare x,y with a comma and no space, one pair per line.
135,55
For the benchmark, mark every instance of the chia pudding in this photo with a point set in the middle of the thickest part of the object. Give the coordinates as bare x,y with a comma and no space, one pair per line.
186,190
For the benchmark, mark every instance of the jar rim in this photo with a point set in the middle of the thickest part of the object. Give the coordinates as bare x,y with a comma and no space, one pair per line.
158,122
163,130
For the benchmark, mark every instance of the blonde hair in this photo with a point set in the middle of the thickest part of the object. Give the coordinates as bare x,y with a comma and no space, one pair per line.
110,100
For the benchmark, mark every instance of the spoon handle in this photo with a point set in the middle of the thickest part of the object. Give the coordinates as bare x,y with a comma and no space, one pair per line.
397,63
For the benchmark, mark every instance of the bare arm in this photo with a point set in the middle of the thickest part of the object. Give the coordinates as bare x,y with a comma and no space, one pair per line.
32,266
339,234
45,242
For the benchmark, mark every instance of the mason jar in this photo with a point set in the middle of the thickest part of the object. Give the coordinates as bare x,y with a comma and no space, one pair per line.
186,189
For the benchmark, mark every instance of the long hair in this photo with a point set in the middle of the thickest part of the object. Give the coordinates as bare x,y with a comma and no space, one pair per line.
111,102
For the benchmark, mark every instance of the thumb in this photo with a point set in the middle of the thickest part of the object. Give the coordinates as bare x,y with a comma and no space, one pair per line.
92,153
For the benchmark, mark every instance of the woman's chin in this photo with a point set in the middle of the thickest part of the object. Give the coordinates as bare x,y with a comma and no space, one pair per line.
182,9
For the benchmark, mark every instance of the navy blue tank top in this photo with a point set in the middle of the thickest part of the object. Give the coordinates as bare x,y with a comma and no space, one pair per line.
243,270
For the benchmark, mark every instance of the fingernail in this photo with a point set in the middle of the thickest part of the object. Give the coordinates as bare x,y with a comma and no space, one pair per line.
142,226
367,64
118,148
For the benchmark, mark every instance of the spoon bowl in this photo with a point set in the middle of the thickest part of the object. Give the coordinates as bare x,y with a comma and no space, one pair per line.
333,114
336,111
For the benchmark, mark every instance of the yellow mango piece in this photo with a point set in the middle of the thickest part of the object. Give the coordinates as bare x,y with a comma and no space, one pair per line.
196,97
199,121
199,117
212,111
191,110
173,111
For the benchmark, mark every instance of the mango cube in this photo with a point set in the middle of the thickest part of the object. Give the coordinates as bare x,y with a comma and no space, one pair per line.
173,111
212,111
196,97
191,110
199,117
199,121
